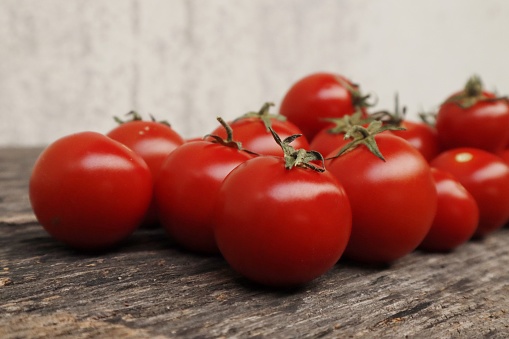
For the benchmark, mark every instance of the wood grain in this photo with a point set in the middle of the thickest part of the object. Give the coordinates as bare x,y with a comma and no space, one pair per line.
150,288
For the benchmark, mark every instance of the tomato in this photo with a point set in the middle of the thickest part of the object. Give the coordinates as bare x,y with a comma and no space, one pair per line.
252,131
153,141
279,226
186,189
474,118
393,196
89,191
486,177
318,96
457,214
421,135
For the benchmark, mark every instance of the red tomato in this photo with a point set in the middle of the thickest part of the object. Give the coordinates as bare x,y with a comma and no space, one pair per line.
186,190
393,201
279,226
486,177
457,214
421,136
90,191
153,141
474,118
251,130
318,96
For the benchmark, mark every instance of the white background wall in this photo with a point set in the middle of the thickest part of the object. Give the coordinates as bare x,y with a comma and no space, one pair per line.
70,65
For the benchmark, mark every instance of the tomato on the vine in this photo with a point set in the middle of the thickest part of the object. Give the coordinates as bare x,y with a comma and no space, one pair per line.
391,191
457,214
187,186
282,223
475,118
152,140
89,191
318,96
252,131
486,177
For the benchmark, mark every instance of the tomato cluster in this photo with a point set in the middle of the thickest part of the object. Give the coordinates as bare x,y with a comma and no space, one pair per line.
282,197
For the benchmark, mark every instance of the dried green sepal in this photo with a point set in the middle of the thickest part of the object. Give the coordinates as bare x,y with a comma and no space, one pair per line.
366,136
471,94
344,123
264,115
229,141
299,158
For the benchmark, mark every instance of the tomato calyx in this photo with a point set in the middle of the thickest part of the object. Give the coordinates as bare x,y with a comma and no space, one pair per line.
298,158
344,123
395,118
229,141
135,116
359,100
472,93
264,115
361,135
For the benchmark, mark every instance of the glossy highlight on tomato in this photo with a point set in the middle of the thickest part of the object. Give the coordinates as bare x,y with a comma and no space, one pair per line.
89,191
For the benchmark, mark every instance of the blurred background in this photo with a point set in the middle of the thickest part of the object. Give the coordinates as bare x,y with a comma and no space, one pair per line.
71,65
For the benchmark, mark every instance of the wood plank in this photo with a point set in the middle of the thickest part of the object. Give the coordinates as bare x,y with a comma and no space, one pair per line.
149,287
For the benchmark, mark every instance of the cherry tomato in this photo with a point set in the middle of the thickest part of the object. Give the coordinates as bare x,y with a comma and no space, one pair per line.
252,131
393,200
457,214
486,177
421,136
279,226
474,118
89,191
318,96
186,190
153,141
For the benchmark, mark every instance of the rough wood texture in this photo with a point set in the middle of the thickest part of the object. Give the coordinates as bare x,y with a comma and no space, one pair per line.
149,288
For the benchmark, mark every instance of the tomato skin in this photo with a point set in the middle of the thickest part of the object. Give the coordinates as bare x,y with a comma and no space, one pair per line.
483,125
393,202
421,136
457,215
89,191
326,142
281,227
186,190
253,135
315,97
486,177
153,141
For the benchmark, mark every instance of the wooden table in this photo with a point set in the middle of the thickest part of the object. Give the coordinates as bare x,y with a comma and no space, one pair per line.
149,288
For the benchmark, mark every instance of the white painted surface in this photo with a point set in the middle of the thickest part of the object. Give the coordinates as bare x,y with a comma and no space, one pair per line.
70,65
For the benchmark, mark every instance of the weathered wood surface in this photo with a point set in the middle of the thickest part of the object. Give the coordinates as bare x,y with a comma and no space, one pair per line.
149,288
